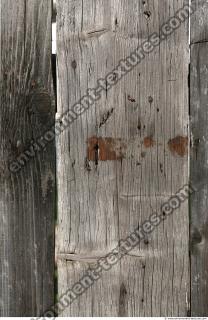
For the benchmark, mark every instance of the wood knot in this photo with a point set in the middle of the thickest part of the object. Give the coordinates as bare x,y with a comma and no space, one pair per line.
147,14
41,101
74,64
196,237
150,99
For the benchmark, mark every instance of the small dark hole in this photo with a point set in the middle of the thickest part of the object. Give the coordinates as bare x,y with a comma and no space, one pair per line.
147,14
146,241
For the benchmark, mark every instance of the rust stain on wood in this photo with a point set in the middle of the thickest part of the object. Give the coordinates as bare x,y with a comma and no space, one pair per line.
104,149
178,146
148,142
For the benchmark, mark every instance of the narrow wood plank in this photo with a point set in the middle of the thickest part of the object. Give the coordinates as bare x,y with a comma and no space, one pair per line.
199,176
199,159
26,196
123,157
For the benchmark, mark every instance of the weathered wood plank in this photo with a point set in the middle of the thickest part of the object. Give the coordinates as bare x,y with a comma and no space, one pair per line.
199,159
123,157
26,196
199,25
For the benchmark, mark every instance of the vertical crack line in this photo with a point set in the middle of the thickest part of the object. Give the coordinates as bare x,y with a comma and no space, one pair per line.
189,157
53,5
54,78
54,88
53,57
25,26
96,153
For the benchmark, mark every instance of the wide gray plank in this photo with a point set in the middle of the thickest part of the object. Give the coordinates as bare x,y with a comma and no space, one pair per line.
141,129
26,196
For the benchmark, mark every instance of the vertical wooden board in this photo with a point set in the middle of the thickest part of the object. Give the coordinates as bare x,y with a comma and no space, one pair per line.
26,195
145,282
199,159
143,117
199,176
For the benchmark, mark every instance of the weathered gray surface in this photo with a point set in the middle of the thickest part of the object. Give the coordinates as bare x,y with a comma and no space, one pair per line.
199,25
26,198
199,160
100,204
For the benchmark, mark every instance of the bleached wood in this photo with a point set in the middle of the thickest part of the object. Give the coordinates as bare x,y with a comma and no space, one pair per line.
99,204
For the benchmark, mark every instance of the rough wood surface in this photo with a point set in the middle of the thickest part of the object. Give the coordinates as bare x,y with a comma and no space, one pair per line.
199,160
199,25
102,199
27,197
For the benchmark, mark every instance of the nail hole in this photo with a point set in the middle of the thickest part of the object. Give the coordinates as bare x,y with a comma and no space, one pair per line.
146,241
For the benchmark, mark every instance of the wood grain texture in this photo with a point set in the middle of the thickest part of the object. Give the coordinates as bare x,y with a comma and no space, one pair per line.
103,201
199,160
199,25
27,197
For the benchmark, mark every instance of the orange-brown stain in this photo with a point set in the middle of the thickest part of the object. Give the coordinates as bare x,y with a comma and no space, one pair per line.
178,146
148,142
104,149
